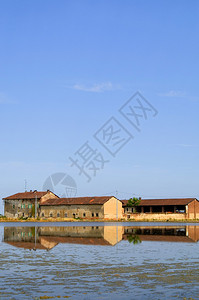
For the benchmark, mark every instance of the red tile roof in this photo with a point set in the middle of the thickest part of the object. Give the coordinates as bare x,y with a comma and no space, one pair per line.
162,202
77,201
26,195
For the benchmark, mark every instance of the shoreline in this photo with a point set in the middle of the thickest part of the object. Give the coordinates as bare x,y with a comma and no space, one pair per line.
4,220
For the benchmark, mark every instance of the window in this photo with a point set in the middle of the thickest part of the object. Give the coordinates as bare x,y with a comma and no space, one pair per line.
92,214
65,215
29,205
42,214
97,215
84,215
58,215
51,215
23,206
127,209
13,206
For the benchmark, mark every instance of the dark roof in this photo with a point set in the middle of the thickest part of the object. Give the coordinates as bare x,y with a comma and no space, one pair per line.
162,202
26,195
77,201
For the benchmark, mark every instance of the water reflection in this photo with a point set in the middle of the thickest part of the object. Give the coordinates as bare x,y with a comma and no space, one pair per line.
48,237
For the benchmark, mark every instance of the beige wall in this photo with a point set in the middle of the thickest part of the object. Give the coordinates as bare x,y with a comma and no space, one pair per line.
70,210
154,216
193,210
113,209
49,195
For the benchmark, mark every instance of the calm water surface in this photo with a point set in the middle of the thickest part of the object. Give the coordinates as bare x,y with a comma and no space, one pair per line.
99,260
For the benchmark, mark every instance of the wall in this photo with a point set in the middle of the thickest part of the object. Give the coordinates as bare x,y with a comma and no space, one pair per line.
78,210
111,207
17,211
193,210
154,216
49,195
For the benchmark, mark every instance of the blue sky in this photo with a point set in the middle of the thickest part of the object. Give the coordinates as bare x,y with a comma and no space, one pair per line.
66,67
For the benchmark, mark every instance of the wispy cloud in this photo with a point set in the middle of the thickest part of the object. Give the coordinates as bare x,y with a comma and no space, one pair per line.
96,88
172,94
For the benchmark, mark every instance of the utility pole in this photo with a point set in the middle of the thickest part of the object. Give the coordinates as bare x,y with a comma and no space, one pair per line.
35,206
25,185
117,206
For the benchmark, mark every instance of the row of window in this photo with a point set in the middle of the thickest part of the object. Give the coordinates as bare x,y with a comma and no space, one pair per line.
74,215
24,205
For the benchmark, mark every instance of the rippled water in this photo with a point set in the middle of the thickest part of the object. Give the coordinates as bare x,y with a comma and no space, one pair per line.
97,260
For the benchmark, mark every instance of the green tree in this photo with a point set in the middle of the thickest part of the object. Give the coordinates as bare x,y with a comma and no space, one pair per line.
133,202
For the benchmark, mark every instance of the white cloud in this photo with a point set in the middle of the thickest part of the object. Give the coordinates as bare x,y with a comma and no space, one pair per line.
172,94
96,88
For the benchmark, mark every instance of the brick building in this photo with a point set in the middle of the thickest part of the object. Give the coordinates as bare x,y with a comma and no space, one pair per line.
163,209
107,207
23,204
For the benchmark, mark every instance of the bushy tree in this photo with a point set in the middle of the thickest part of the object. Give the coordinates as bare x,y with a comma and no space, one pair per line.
133,202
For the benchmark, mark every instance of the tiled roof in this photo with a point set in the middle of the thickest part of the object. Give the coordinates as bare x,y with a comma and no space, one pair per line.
77,201
162,202
26,195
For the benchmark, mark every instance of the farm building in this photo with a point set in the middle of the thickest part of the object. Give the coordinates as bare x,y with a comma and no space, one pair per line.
23,204
107,207
163,209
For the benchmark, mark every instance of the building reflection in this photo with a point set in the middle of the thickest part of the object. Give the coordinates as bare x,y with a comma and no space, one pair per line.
47,237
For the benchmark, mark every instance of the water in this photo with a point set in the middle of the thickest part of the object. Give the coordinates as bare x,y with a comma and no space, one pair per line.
99,260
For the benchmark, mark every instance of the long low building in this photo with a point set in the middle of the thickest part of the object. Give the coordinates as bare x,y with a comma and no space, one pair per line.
107,207
163,209
48,205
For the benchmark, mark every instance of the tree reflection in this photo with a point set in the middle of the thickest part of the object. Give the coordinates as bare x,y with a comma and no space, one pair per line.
135,239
